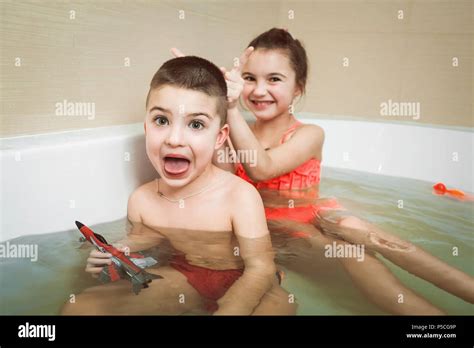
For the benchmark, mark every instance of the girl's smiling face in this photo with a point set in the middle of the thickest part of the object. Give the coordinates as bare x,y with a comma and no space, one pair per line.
182,131
270,84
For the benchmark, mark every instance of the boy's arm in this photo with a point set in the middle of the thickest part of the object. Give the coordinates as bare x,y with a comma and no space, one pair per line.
140,236
250,227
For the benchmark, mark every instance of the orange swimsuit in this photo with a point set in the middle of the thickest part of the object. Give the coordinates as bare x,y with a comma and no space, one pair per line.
303,177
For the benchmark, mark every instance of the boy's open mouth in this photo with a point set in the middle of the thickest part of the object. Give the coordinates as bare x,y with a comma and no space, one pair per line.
176,165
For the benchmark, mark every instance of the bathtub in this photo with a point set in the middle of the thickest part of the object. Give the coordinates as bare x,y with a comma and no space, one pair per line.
48,181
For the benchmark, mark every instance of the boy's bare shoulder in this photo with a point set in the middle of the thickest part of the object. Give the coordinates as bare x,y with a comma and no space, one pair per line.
143,190
242,191
138,198
248,213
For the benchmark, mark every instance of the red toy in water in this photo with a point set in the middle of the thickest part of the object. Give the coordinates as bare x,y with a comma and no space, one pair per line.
122,267
441,189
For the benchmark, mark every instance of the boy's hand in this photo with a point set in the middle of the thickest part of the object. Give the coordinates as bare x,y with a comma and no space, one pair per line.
97,260
234,80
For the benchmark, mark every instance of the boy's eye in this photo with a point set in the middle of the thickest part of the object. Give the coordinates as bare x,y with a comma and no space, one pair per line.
161,120
196,125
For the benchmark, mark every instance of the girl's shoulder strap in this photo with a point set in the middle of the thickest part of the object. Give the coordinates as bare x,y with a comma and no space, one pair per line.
289,132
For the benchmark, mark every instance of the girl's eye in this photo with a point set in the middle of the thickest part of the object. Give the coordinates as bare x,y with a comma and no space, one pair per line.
249,78
274,79
196,125
161,120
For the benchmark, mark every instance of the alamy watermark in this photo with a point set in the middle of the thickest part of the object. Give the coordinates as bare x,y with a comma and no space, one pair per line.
346,250
20,251
403,109
240,156
67,108
37,331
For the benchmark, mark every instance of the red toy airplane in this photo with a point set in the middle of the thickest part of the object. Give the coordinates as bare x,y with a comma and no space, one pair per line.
122,267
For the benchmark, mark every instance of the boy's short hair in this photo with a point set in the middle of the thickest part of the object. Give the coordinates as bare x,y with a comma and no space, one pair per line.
193,73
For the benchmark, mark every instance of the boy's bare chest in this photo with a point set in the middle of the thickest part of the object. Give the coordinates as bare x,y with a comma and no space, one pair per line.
203,213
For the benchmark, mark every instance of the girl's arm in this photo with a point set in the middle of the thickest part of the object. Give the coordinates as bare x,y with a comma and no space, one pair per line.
306,143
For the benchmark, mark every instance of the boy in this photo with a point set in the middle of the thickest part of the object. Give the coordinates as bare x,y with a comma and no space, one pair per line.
213,218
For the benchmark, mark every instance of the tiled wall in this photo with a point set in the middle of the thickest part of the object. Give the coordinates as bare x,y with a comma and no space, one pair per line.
104,53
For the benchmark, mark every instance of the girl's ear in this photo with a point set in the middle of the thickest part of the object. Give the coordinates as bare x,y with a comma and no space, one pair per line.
296,96
298,92
144,126
222,136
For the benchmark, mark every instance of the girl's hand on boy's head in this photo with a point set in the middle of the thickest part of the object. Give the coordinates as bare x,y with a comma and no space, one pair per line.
235,82
177,53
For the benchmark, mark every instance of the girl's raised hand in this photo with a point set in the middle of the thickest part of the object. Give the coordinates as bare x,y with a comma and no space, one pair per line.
234,80
177,53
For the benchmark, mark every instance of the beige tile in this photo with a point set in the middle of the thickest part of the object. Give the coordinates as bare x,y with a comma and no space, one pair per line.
83,59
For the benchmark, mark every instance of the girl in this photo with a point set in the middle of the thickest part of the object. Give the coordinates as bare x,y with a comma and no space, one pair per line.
271,74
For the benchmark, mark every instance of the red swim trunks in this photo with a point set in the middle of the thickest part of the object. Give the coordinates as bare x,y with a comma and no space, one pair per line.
211,284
